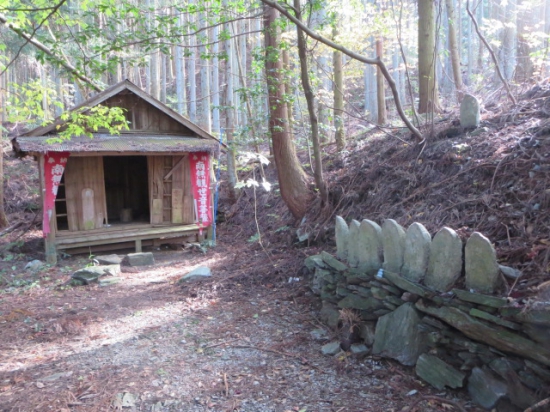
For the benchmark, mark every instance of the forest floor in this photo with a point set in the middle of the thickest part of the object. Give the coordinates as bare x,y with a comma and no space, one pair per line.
242,340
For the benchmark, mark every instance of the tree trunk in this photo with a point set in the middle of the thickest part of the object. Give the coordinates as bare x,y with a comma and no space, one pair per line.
369,75
339,135
191,71
428,94
230,114
453,45
310,99
380,91
206,118
508,41
292,179
216,126
180,72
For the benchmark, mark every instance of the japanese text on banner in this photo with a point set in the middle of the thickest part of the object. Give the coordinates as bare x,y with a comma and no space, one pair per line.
200,178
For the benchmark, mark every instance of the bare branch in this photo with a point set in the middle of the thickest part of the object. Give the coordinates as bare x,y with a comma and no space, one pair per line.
377,62
53,10
492,53
42,47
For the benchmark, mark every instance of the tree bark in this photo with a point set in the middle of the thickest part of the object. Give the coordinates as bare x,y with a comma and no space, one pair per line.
291,176
338,87
428,94
230,114
453,45
310,99
181,91
380,91
206,117
191,71
3,218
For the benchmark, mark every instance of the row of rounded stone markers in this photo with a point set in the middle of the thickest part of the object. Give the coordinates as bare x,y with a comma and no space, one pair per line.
436,262
494,345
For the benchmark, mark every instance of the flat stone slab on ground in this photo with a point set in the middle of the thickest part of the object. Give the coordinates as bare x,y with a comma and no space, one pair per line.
331,348
199,273
93,273
34,265
109,259
141,259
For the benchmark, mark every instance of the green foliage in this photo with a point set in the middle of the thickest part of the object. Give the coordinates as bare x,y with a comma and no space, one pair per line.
30,103
86,120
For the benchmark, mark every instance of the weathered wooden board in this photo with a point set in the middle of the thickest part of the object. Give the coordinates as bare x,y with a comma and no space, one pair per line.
88,209
188,201
156,211
85,173
145,117
177,205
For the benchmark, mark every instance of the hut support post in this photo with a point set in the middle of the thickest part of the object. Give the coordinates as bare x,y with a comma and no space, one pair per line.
49,240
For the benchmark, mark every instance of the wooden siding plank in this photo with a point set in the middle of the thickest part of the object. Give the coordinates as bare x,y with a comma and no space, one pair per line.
88,210
177,205
188,216
84,173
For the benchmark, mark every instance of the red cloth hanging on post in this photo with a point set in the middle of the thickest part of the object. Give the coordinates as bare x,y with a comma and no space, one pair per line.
54,166
200,181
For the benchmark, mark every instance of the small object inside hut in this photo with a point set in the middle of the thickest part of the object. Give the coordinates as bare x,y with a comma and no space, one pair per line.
126,215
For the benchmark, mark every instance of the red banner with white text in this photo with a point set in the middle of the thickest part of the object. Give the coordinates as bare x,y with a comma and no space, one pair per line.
200,180
54,166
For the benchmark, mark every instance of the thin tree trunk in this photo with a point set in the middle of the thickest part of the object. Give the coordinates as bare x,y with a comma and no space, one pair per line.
380,91
163,76
3,83
428,94
291,176
216,126
492,53
310,99
339,135
180,71
453,45
191,72
416,133
155,66
206,118
230,114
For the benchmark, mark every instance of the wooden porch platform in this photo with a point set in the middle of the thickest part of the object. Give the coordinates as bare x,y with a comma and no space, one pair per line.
123,234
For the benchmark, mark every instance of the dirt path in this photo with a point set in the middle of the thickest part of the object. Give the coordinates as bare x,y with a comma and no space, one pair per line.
235,342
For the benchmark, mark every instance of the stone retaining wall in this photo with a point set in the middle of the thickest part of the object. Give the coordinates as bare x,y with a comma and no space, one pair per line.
402,286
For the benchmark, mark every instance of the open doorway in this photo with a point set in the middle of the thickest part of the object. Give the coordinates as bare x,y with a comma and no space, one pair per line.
126,189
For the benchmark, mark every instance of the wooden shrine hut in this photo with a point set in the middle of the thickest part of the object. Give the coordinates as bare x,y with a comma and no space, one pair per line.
147,186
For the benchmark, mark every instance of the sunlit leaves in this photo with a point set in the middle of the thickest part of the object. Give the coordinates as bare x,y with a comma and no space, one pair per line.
85,121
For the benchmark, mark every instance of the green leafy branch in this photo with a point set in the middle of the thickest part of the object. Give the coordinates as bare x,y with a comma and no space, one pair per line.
87,120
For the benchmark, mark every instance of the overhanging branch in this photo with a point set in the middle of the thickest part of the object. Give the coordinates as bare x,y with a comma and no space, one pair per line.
377,62
42,47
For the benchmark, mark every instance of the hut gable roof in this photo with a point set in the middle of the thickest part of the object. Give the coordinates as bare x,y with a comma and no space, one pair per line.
154,127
